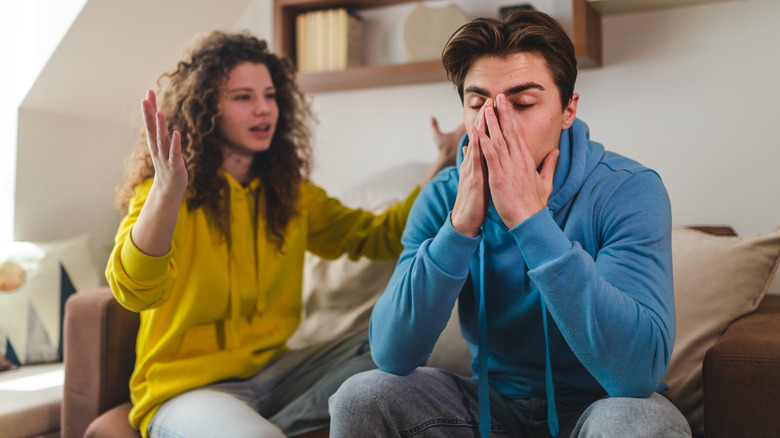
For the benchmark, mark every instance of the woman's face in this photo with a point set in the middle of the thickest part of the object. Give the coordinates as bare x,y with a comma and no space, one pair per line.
249,109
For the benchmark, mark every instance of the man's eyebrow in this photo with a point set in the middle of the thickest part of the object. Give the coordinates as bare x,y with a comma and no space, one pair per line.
510,91
476,90
524,87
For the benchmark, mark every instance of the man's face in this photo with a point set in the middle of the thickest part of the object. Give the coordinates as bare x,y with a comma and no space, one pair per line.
528,85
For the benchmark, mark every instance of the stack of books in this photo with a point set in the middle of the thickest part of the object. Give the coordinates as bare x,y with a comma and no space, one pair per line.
328,40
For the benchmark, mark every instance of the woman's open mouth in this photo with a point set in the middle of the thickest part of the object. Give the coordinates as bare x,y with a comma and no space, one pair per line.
261,130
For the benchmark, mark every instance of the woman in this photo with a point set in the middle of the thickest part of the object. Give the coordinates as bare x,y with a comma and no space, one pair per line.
218,217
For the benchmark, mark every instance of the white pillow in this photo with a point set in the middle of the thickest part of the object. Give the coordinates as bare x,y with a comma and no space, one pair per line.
31,314
717,279
338,295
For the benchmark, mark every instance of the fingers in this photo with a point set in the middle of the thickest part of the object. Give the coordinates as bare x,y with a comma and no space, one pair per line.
491,119
151,97
505,113
475,148
149,110
157,137
435,127
480,123
175,150
515,141
494,148
163,139
548,168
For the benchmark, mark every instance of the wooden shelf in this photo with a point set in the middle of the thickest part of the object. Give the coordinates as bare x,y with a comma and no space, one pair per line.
608,7
369,76
586,24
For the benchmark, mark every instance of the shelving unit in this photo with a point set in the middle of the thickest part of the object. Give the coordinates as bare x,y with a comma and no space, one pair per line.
609,7
586,23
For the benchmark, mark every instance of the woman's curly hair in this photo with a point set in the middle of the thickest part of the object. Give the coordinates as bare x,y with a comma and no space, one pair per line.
189,98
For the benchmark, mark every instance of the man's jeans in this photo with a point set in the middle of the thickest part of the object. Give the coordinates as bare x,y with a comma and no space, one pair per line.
431,402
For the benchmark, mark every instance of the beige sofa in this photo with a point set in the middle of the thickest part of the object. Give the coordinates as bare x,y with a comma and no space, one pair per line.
736,395
30,398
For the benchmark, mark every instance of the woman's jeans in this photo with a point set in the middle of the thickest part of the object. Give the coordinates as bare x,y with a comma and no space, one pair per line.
431,402
288,397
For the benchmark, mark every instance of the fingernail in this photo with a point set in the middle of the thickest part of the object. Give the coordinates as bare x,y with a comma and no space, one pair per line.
501,99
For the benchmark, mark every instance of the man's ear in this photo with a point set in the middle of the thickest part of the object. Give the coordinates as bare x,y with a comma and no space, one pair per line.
570,112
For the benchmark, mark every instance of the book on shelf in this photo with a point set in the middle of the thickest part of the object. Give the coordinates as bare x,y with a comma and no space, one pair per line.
328,40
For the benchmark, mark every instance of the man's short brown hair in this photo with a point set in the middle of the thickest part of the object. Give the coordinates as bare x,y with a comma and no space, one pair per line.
525,31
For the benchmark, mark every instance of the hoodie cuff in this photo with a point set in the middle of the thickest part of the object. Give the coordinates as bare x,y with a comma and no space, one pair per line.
140,266
540,239
452,251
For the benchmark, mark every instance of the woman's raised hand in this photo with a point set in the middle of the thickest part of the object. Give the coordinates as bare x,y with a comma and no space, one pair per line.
170,172
154,229
447,146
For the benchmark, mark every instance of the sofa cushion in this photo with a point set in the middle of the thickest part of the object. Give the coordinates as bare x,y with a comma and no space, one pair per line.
31,309
113,423
717,279
742,374
30,398
338,295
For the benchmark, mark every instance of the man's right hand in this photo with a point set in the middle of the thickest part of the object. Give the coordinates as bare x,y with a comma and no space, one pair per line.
471,202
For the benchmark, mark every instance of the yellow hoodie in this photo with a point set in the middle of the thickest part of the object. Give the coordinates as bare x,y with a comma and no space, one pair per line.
212,309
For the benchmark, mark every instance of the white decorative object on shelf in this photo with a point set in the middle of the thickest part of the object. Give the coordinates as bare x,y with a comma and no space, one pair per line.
425,30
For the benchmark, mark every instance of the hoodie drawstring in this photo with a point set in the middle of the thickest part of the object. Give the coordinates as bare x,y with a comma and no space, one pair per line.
484,387
552,413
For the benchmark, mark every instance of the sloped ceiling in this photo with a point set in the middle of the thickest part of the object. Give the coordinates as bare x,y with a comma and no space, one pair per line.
115,50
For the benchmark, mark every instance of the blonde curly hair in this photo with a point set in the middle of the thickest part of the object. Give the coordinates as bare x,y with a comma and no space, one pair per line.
189,98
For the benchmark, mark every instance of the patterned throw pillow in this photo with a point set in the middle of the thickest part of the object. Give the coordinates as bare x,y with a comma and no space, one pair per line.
37,279
6,364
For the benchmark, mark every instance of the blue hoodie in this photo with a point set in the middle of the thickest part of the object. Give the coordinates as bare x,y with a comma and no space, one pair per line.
578,296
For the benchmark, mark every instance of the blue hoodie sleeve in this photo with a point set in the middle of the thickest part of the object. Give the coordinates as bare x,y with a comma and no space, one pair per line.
619,319
418,301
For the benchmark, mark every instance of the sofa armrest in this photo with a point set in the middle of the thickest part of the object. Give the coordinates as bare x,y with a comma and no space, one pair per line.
99,354
742,376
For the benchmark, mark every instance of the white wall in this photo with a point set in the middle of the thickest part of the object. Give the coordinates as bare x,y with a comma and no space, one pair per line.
691,92
81,117
65,189
29,33
687,91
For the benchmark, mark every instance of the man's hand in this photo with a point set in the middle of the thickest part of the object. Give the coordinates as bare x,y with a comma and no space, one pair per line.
470,209
518,190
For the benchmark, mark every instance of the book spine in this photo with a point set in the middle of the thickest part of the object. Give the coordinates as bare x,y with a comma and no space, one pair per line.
300,43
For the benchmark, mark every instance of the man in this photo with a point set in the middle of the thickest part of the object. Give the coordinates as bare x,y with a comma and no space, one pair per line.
558,252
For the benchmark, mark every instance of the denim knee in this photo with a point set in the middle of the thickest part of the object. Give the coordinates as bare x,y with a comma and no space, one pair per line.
357,394
654,416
